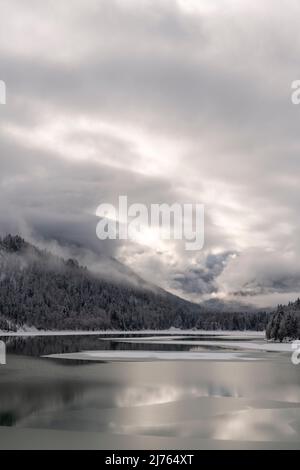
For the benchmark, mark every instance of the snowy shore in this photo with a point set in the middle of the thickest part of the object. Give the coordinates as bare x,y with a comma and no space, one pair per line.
172,331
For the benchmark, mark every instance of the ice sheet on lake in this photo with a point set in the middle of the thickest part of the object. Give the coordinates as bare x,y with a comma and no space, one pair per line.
245,345
133,356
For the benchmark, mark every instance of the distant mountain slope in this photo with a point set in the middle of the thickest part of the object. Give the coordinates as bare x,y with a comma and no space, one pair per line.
284,324
38,289
218,305
41,290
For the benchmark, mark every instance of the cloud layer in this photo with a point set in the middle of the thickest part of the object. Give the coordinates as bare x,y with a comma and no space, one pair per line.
165,101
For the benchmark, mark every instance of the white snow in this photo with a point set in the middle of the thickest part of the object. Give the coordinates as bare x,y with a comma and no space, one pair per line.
262,346
26,331
129,356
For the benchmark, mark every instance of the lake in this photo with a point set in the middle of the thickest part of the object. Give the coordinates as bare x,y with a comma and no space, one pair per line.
172,390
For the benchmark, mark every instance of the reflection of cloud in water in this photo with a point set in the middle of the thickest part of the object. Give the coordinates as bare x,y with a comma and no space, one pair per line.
243,425
258,425
137,396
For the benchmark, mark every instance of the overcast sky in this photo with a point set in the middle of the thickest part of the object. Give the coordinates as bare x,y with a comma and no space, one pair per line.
165,101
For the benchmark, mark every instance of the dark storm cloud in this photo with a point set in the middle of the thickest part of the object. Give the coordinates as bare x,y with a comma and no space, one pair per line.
202,280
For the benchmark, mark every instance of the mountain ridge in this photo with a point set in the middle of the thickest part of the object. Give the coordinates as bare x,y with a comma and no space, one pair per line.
44,291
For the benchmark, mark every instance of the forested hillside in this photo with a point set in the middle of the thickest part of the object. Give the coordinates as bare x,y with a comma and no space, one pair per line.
38,289
285,322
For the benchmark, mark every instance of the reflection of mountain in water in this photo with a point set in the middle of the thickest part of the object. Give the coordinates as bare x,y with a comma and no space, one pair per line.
45,345
22,400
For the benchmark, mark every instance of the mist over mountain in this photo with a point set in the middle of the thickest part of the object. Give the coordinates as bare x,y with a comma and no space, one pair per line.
220,305
42,290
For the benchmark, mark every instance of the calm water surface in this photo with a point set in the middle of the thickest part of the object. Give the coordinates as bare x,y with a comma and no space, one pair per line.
194,403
